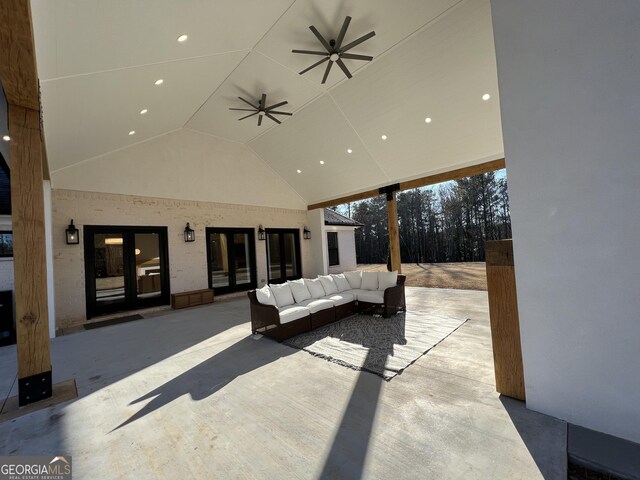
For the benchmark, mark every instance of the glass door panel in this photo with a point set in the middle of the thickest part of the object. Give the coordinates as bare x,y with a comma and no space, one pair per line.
290,260
109,272
147,264
242,255
218,260
273,257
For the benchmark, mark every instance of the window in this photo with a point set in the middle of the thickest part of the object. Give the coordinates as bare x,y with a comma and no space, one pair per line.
6,244
332,242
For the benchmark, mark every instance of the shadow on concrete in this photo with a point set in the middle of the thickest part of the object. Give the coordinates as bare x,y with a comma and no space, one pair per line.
213,374
348,452
539,446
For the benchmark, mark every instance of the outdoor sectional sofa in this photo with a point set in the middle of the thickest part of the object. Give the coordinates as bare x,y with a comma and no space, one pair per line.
283,310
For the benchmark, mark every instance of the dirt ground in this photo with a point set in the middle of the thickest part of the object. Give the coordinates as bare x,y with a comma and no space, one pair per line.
464,276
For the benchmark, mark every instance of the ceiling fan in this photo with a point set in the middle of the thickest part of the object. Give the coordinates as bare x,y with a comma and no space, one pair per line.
262,110
335,52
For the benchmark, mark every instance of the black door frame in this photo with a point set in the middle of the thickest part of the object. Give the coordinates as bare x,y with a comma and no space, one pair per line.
283,267
232,287
129,264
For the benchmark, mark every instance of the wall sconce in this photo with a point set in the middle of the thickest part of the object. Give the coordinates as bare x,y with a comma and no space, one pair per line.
260,233
73,234
189,234
306,233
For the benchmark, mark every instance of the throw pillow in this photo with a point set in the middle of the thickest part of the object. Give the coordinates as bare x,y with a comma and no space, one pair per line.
369,281
328,284
299,290
387,279
354,278
283,294
315,287
265,296
341,282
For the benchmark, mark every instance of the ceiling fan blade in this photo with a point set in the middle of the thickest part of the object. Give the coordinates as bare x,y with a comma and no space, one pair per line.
344,68
309,52
275,106
324,43
353,56
326,72
260,120
244,109
272,112
254,113
248,102
314,65
273,118
342,33
357,42
263,100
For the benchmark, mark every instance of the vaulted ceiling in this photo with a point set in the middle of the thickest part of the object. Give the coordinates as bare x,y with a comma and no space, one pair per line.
98,62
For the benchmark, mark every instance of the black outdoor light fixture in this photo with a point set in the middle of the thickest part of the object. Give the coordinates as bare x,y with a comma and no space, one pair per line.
306,233
189,234
260,232
73,234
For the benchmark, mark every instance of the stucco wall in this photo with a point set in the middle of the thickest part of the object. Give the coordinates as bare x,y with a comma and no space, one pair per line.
568,73
187,261
346,249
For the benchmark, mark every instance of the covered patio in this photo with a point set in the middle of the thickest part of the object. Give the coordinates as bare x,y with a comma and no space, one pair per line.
192,391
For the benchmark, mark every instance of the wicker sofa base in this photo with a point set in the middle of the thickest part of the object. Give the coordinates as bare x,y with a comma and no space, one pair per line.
323,317
281,332
378,309
343,311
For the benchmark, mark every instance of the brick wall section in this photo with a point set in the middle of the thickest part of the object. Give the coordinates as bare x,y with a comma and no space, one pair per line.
187,261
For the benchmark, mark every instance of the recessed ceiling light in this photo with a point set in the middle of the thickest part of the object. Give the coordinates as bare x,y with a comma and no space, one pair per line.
486,97
299,171
132,132
143,111
183,38
6,138
427,120
321,162
384,137
159,81
349,150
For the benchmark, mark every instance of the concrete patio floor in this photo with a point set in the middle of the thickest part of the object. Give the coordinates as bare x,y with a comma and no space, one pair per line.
190,394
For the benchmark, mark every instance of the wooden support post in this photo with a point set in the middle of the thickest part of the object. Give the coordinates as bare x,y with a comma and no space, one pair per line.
394,230
29,261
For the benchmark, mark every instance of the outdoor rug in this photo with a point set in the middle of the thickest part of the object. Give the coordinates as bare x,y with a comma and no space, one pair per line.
384,346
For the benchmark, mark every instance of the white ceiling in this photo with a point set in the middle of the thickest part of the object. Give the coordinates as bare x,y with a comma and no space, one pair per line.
98,61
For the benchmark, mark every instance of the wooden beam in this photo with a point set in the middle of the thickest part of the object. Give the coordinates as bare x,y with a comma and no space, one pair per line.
418,182
29,261
18,71
394,233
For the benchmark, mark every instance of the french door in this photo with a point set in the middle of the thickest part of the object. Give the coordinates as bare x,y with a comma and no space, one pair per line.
126,268
231,259
283,254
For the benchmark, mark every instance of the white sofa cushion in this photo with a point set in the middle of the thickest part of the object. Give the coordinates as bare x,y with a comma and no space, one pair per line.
341,298
387,279
356,292
328,283
292,312
316,304
283,294
369,281
341,282
315,287
354,278
371,296
299,290
265,296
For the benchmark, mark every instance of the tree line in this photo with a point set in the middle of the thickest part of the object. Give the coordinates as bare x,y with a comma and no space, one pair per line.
448,222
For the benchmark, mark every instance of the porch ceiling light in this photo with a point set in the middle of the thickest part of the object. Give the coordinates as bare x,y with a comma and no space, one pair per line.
73,234
189,234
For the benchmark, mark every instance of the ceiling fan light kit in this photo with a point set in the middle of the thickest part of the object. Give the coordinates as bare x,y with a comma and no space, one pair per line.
334,53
